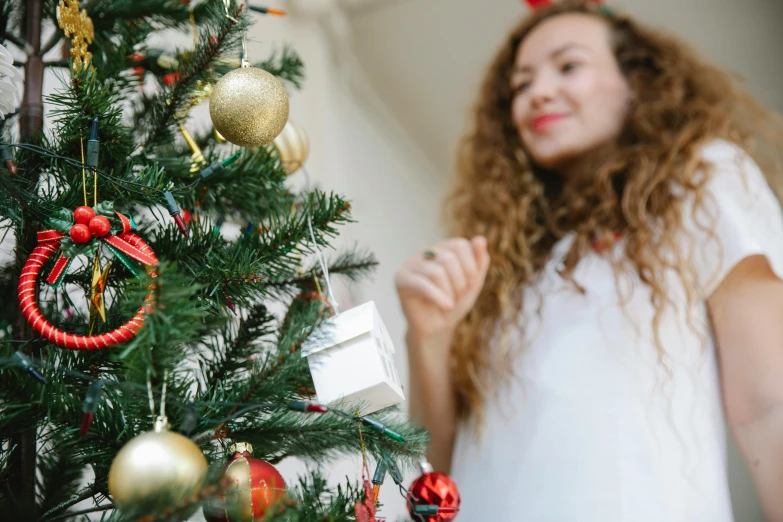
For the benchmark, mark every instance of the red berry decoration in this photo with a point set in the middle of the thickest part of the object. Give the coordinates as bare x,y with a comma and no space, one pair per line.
253,487
433,497
83,215
80,233
100,226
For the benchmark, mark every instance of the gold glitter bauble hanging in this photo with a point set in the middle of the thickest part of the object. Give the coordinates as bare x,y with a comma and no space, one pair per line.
76,23
159,467
293,147
249,107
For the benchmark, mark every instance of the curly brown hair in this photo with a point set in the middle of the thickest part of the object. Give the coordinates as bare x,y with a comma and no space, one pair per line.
681,103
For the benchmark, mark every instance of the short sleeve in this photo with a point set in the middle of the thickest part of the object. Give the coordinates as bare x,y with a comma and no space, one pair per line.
738,216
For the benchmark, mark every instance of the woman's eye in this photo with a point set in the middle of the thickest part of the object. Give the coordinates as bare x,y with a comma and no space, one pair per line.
569,67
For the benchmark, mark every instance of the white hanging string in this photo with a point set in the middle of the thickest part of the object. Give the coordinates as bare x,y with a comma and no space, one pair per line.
162,397
149,393
319,253
244,62
163,394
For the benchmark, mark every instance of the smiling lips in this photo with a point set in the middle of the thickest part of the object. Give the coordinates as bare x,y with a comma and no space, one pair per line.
543,122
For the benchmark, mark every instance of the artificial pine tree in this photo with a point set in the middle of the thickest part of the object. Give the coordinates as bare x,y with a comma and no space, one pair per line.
141,313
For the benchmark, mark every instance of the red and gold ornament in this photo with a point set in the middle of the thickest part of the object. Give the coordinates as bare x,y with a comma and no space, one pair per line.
433,497
126,245
253,487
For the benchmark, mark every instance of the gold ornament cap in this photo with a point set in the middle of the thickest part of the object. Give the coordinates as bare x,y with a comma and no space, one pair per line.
161,424
240,447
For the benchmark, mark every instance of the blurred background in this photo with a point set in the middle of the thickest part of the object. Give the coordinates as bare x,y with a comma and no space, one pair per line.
389,85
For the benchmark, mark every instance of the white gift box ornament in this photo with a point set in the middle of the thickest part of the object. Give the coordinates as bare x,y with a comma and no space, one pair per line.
353,361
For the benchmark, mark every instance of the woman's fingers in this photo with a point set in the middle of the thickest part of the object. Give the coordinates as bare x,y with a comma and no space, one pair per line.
420,285
450,261
464,252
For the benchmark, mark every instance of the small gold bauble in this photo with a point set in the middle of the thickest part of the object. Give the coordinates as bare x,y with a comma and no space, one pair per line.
157,466
293,146
249,106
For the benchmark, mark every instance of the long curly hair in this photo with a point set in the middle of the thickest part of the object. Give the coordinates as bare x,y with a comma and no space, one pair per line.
680,103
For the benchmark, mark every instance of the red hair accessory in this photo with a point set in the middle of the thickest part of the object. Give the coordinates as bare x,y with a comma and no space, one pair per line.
535,4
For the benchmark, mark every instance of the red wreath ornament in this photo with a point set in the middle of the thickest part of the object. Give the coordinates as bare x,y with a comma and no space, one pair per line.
125,243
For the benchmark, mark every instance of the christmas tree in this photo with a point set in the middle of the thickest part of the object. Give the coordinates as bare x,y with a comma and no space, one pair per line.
146,351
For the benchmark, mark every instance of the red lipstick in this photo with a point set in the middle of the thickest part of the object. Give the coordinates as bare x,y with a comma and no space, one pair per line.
541,123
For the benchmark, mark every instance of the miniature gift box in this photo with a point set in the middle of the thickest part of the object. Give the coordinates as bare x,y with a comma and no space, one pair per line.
352,360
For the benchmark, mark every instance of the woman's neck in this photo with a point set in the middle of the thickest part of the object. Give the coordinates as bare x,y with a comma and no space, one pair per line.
581,168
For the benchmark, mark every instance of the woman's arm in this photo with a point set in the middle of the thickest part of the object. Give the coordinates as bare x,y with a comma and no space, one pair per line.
747,314
432,403
437,289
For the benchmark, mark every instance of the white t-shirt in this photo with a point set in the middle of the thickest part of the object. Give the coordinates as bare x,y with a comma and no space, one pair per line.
593,429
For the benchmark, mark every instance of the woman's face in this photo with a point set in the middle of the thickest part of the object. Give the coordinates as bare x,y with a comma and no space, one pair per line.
570,96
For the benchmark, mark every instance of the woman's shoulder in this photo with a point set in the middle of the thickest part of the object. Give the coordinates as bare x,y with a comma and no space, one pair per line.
731,168
725,154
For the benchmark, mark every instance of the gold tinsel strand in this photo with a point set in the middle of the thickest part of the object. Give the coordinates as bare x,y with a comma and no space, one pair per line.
76,23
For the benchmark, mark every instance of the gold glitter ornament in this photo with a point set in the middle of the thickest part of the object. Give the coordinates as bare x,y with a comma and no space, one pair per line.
159,467
76,23
292,146
249,106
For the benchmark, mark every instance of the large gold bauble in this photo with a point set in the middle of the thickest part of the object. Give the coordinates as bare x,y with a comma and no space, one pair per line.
158,467
249,107
293,146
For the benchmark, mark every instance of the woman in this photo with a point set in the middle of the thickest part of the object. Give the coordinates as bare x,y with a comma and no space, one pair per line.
612,295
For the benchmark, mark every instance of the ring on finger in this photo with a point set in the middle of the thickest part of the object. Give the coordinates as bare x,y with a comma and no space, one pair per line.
429,254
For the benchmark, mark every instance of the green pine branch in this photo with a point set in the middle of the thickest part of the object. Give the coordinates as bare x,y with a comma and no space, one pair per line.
220,35
312,500
59,475
353,265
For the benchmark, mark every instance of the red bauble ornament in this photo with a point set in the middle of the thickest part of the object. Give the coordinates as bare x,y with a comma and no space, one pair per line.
186,216
80,233
433,497
100,226
253,486
83,215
